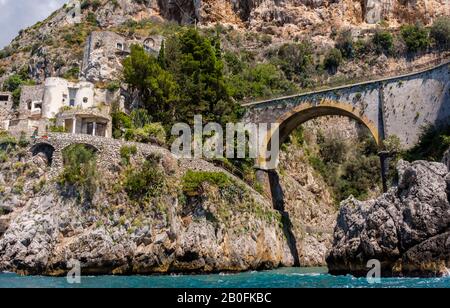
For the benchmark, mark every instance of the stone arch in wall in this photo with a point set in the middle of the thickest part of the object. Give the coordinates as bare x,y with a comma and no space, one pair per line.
44,149
293,118
88,146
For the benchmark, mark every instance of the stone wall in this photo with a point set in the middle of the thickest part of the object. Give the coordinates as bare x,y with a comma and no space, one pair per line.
108,149
105,51
6,105
30,94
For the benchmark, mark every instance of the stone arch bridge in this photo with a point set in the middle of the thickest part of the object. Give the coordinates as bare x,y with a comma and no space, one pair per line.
399,106
107,149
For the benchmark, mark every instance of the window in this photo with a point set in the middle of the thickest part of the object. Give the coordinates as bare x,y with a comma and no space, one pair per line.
29,105
4,98
72,102
85,100
90,128
120,46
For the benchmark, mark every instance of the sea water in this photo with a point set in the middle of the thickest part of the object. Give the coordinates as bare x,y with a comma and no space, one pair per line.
281,278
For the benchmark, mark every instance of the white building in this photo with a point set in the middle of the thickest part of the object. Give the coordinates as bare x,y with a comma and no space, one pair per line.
76,107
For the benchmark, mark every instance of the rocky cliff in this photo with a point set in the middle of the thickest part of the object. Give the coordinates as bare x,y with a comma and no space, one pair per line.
216,226
407,229
54,47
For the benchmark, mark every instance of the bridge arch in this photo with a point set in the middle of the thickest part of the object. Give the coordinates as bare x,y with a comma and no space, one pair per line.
44,148
292,119
87,146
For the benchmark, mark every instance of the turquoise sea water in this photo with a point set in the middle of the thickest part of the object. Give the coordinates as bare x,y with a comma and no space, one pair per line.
282,278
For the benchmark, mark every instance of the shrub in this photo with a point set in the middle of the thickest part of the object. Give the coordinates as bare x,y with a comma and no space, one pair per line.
126,152
23,140
12,83
80,170
345,44
434,141
145,182
296,61
153,132
333,59
261,80
193,180
383,42
415,37
72,73
440,32
140,118
113,86
6,138
333,150
120,123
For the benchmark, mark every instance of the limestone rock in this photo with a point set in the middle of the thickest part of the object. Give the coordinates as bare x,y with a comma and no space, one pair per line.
446,159
406,229
233,230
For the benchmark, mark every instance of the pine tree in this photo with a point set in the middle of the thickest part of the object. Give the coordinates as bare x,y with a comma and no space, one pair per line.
162,56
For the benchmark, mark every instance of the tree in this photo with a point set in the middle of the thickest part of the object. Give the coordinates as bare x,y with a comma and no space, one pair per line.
383,42
296,61
162,61
440,32
333,60
199,69
415,37
345,44
156,87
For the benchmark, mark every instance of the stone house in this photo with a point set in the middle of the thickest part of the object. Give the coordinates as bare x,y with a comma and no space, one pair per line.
105,51
6,109
76,107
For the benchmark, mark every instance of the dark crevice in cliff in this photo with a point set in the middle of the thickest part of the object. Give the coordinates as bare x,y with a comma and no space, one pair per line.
278,204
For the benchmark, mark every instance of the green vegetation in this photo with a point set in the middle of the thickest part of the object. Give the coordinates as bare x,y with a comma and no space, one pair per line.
72,73
152,132
332,60
296,61
138,127
344,43
6,140
126,152
440,32
432,145
144,183
13,84
193,180
155,86
383,42
260,80
80,171
416,37
348,168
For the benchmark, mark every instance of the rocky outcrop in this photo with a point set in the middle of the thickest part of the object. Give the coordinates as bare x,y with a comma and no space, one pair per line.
310,207
407,229
226,228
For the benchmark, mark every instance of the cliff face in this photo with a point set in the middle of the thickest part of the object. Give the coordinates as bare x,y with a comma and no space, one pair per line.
310,206
407,229
54,46
43,227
